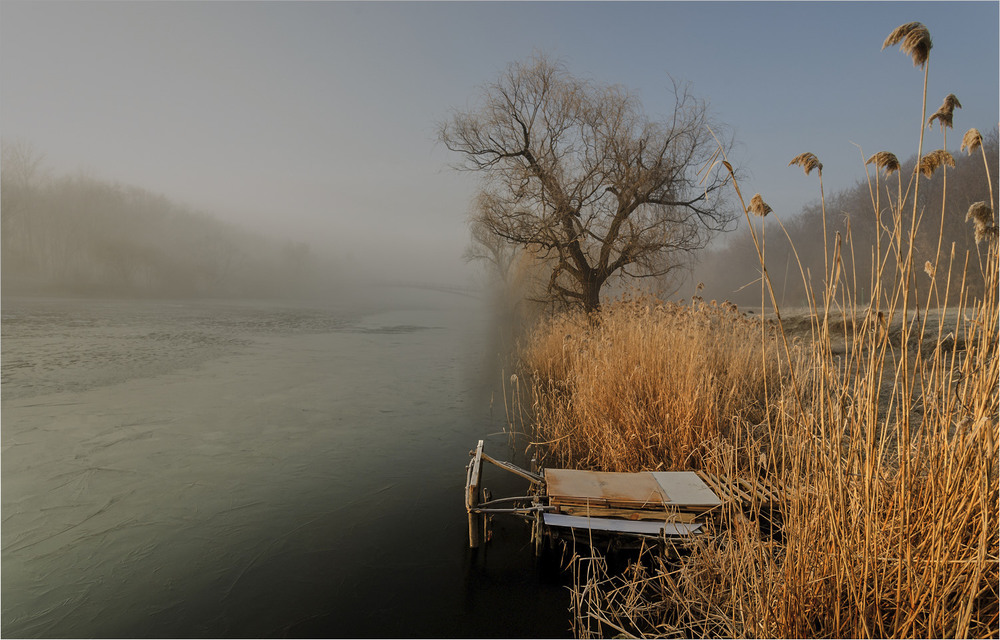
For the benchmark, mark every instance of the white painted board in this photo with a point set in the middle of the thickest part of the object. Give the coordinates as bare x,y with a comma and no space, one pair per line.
614,525
686,488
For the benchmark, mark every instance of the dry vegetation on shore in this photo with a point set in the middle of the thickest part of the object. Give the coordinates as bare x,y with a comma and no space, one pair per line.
877,415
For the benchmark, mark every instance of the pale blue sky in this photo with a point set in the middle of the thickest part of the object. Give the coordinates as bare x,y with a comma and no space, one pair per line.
318,119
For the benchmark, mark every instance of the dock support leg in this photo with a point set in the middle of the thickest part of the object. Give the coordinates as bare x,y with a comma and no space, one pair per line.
472,494
473,530
538,534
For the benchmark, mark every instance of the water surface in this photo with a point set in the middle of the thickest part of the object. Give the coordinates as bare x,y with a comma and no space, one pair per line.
211,468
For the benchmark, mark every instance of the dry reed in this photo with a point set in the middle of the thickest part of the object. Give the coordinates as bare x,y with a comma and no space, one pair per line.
885,161
889,521
980,213
758,207
946,112
972,140
651,386
808,162
934,161
886,448
914,40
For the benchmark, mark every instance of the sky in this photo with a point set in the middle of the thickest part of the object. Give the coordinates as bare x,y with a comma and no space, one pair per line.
317,121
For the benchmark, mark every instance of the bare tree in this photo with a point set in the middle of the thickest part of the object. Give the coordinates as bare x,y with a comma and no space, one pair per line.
576,172
490,249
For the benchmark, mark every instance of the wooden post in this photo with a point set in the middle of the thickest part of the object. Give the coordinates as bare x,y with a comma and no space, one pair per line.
472,494
538,532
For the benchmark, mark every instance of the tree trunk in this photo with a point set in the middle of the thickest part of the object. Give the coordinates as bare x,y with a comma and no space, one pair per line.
592,294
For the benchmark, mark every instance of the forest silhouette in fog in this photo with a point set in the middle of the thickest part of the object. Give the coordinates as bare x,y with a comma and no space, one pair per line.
78,234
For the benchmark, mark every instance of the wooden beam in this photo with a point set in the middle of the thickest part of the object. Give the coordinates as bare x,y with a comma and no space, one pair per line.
513,468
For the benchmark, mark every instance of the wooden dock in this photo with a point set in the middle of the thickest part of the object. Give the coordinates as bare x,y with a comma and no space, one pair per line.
649,504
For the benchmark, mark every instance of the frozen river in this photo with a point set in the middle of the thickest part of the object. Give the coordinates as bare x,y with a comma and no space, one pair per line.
207,468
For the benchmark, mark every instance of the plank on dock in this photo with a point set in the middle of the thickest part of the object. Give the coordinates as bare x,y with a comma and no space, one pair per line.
686,488
602,488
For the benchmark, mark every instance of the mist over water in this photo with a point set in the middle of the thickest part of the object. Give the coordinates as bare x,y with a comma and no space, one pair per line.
219,468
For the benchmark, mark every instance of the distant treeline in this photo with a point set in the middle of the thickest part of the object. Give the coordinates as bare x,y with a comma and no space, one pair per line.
851,221
80,235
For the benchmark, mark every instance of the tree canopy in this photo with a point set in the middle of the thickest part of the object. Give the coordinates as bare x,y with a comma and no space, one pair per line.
576,172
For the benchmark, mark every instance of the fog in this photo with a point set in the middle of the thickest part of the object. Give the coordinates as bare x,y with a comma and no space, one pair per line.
317,122
259,115
79,234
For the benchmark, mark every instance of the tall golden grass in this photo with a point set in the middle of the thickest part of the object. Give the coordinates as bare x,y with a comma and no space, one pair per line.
652,385
878,416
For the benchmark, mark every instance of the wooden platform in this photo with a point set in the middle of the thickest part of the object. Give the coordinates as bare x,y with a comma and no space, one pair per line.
645,490
648,503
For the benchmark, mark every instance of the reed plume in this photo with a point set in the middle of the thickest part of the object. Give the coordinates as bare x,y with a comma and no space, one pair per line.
986,233
758,207
971,141
945,112
808,162
980,213
934,160
951,102
885,161
914,40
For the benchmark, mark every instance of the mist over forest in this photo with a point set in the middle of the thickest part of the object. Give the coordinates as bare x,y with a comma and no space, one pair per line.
79,235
